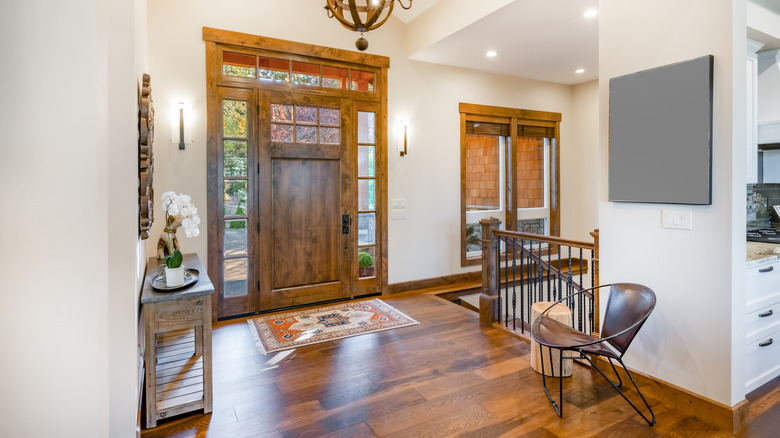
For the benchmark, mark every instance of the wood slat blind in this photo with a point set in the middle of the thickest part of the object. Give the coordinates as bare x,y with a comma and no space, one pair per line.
484,128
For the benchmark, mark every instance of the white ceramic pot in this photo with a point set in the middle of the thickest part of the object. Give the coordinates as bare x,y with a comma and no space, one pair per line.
174,276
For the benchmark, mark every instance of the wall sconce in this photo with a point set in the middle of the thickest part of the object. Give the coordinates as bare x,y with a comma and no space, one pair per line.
181,124
403,128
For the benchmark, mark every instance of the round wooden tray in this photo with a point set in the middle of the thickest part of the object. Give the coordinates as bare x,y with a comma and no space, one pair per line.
190,276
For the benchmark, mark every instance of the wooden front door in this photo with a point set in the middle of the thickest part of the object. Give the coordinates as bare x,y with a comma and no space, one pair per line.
304,201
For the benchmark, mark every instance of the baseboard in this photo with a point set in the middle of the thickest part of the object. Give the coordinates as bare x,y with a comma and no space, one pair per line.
732,418
442,282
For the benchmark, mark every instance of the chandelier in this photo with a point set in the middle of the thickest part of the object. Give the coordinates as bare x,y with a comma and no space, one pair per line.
369,15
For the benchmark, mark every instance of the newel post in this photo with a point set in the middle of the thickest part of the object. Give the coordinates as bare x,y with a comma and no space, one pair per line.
596,309
488,300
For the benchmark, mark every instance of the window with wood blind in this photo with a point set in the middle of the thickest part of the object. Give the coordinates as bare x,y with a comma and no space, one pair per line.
509,170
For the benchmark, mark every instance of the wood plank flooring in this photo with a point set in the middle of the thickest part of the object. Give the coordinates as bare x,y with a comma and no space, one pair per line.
443,378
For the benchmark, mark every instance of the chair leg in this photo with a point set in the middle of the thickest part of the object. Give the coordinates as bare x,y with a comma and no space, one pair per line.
651,422
558,410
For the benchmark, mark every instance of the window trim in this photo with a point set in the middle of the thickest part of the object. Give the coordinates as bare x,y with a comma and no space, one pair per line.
514,118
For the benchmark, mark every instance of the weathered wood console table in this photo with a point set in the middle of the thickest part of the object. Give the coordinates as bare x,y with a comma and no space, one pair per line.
177,327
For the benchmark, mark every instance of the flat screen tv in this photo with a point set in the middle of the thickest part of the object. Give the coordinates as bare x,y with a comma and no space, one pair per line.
660,134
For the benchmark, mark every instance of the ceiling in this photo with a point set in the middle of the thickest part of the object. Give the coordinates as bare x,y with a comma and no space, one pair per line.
537,39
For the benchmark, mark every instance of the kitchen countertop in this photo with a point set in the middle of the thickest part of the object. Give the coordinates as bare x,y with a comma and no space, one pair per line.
758,252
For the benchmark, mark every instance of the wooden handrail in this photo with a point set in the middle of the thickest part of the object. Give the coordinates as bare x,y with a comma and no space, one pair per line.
547,239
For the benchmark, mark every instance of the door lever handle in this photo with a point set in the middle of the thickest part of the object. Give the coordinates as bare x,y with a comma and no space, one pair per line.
345,221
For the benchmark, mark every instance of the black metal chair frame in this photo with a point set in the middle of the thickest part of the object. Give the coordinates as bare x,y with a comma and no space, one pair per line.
578,348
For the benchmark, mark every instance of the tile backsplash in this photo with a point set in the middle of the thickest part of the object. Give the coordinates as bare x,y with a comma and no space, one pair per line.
761,198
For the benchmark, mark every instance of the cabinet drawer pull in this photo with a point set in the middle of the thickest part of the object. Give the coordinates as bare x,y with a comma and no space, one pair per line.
765,314
767,269
766,343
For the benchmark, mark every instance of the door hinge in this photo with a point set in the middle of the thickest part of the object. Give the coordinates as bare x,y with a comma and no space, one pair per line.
258,168
258,285
258,227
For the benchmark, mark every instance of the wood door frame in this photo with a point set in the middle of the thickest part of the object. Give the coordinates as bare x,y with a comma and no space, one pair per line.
217,41
512,118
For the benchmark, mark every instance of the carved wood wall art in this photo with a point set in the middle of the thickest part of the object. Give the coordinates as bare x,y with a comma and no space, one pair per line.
145,159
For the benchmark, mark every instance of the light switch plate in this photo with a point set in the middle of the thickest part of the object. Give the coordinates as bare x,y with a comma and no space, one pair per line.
676,219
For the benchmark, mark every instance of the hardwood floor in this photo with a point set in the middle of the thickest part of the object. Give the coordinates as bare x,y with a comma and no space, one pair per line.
445,377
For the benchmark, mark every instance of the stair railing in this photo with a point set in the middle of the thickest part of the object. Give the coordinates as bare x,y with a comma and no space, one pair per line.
521,269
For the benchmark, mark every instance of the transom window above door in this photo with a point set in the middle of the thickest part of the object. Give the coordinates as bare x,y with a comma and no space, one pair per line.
267,69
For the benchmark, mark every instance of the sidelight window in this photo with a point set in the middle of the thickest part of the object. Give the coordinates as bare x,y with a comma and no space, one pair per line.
235,180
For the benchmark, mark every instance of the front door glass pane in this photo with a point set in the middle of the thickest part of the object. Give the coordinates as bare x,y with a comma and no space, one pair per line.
333,77
234,118
235,198
236,276
330,135
366,161
366,194
281,113
306,115
273,70
283,133
330,116
306,134
235,158
366,261
306,74
238,64
235,238
366,228
366,127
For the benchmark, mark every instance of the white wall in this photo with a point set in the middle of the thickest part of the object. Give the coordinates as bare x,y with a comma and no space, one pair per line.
69,225
580,167
426,243
695,338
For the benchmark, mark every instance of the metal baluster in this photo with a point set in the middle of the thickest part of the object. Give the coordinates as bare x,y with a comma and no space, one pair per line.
540,271
560,280
549,270
580,311
530,268
514,283
506,278
498,276
522,284
592,284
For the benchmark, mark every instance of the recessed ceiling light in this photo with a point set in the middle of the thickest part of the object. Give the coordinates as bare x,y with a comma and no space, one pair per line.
590,13
491,53
579,71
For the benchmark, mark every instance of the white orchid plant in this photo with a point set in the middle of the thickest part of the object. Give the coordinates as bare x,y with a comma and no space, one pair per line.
179,207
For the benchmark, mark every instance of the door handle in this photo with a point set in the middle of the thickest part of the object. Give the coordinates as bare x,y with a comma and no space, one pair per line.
764,270
765,314
345,224
766,343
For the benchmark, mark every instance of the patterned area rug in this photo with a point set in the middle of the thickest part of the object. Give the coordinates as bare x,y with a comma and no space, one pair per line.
294,329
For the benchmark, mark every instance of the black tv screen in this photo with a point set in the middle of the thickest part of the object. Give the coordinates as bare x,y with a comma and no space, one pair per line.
660,134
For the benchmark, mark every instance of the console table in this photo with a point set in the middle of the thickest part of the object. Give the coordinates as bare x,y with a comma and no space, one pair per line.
177,353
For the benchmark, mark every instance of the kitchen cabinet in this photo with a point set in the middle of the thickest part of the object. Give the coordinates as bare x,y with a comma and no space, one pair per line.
751,142
762,324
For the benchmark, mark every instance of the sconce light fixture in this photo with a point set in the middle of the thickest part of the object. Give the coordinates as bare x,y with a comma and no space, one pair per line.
402,137
181,124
